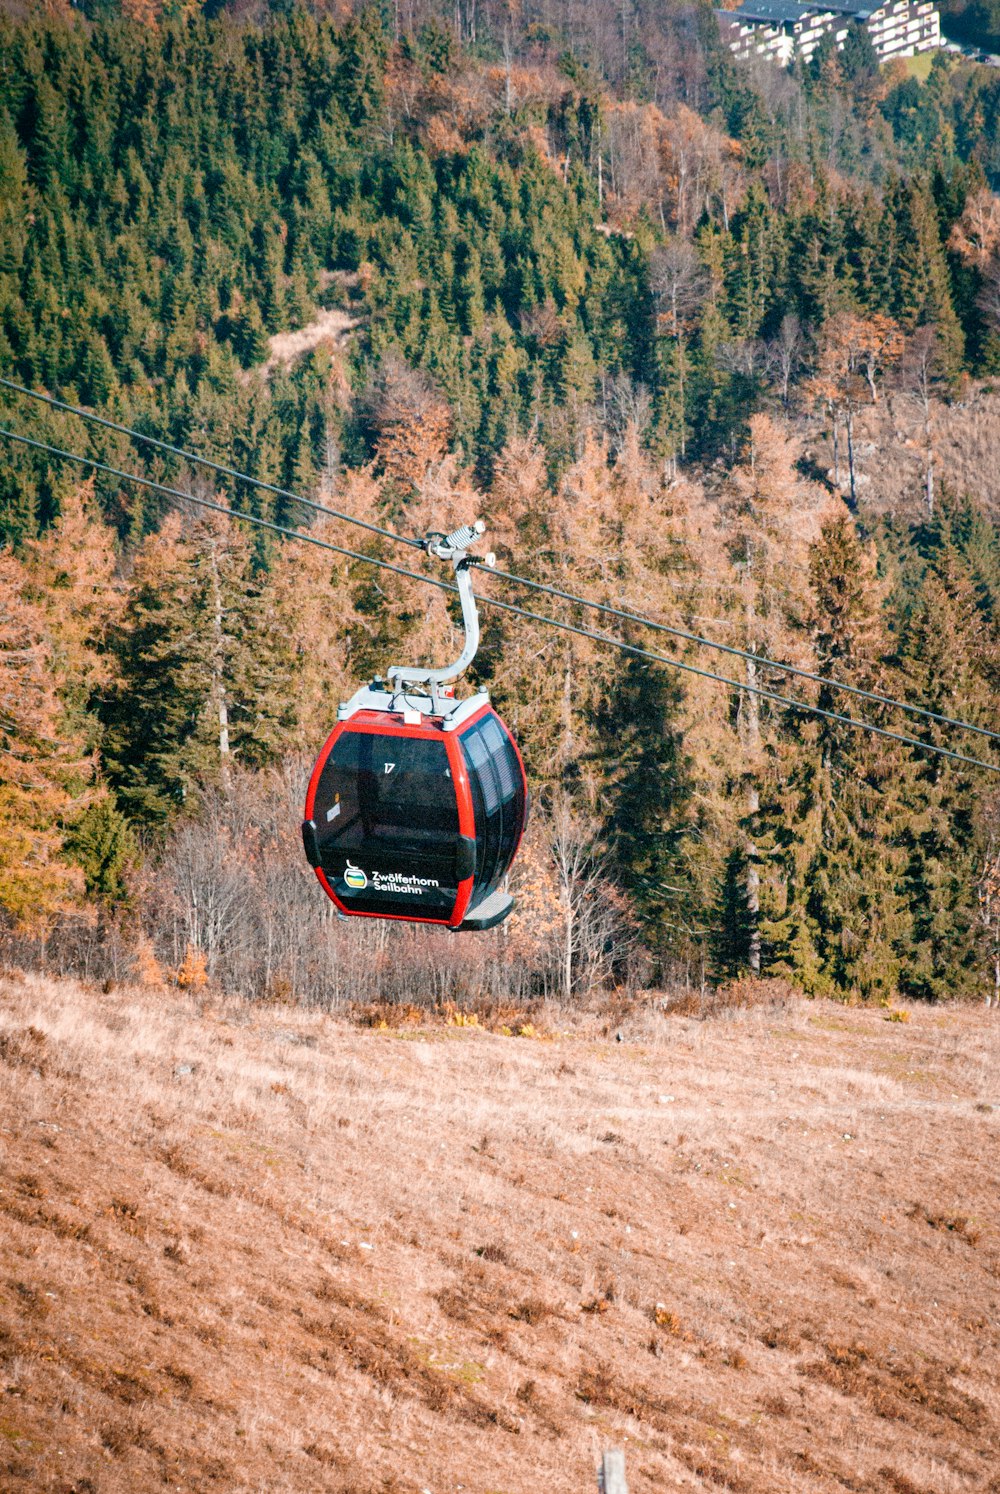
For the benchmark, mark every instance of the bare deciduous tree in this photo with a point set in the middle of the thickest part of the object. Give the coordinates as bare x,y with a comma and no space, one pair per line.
680,284
786,353
976,235
628,405
594,932
743,355
921,378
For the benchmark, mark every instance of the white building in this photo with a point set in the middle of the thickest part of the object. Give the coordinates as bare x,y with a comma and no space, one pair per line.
780,29
786,29
899,28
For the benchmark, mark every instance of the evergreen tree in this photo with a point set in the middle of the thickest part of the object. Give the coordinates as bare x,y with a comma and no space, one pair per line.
920,281
948,657
732,928
770,518
836,813
44,775
101,843
646,794
202,673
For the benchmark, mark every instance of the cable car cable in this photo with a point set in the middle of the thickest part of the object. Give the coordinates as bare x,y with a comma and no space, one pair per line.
629,648
708,674
220,508
602,607
191,456
740,653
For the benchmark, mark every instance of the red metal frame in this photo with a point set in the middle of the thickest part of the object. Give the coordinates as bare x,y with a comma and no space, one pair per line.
390,723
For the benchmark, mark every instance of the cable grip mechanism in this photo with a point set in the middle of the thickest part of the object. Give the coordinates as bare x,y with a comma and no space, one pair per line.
453,547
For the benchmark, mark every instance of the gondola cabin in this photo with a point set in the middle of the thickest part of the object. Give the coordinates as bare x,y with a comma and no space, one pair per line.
415,810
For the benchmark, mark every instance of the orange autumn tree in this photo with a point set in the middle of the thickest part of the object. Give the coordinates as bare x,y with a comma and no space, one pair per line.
70,574
313,602
411,421
975,237
854,353
44,773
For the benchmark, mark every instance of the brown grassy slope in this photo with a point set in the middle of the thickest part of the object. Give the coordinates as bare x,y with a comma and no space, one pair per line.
263,1250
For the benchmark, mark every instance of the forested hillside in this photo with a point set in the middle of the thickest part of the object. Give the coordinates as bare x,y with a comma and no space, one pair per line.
661,319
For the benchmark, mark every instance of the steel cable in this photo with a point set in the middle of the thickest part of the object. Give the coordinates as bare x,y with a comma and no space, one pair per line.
566,627
603,607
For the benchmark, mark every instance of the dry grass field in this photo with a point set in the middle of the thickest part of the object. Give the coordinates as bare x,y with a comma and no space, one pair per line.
264,1249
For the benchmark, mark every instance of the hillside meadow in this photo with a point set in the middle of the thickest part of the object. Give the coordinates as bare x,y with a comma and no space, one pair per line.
252,1247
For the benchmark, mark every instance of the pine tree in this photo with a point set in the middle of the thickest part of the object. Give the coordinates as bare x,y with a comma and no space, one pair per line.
44,773
838,813
949,658
151,710
101,843
645,801
14,199
920,282
732,931
202,671
770,517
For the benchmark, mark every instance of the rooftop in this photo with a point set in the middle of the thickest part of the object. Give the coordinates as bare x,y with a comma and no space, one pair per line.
778,12
787,12
860,9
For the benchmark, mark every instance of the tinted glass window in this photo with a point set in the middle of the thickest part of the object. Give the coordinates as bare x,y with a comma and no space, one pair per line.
387,824
498,800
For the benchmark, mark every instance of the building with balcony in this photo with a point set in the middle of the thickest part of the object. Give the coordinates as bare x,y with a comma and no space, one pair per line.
784,30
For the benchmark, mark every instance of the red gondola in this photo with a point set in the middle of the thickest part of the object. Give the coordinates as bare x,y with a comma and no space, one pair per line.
417,803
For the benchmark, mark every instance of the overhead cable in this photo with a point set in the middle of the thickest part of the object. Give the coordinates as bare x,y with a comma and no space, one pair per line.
741,653
604,608
552,622
191,456
219,508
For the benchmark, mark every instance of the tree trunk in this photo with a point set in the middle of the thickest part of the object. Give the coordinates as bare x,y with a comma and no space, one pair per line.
752,807
508,54
568,950
568,710
680,387
849,422
749,720
218,679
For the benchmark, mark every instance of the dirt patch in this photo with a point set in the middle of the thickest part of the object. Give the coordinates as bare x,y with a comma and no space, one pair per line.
333,326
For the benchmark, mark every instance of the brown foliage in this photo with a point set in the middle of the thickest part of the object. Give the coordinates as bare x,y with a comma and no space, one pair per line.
45,773
976,235
411,420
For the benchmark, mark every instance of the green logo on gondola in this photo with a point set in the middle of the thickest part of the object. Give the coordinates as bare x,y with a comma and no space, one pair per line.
355,877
